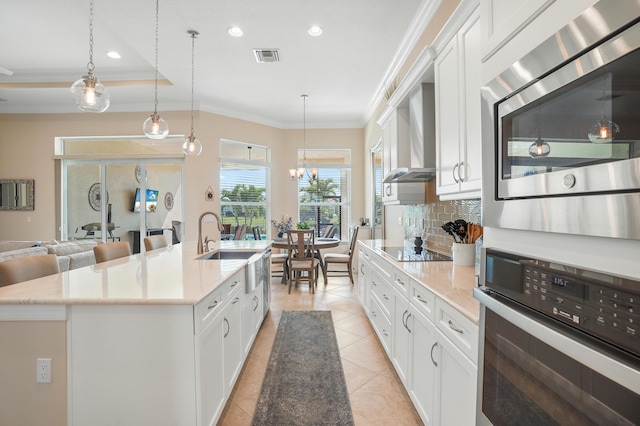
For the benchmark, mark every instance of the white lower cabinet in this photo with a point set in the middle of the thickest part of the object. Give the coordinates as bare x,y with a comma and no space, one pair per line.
432,346
423,372
233,353
252,315
209,372
159,364
456,378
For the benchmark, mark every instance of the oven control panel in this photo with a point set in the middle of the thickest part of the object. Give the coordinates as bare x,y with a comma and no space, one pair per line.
605,305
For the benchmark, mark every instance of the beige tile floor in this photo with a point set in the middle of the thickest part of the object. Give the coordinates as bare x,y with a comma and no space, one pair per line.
376,393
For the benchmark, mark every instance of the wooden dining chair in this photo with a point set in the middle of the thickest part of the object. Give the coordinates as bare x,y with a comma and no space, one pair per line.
110,251
20,269
341,260
240,231
302,258
153,242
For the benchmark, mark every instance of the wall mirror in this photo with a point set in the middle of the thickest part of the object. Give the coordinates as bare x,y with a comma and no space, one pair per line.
16,194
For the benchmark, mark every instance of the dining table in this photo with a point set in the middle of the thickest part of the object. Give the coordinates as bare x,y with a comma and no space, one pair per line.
320,244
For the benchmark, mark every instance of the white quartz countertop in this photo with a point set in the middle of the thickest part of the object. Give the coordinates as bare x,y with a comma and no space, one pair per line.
171,275
453,284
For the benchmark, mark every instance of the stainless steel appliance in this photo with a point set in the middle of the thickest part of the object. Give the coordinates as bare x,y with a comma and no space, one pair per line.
561,130
409,253
559,344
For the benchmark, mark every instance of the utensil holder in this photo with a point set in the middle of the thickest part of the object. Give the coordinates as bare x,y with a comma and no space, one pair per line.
464,254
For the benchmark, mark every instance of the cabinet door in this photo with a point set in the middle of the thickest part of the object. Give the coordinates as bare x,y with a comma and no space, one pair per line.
456,386
447,118
209,372
363,277
471,146
422,367
232,329
401,336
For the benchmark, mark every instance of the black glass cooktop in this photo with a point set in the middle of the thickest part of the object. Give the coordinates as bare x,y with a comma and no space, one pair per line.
413,254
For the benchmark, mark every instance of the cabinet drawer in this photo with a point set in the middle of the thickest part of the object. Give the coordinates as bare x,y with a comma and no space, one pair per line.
382,291
458,328
401,282
423,299
383,267
233,284
380,323
207,309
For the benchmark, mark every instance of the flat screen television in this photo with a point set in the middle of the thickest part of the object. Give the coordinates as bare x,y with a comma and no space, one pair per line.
152,200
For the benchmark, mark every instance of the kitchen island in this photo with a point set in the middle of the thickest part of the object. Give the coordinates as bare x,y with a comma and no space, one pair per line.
156,338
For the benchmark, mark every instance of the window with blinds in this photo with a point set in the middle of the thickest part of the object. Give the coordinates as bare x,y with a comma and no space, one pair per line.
324,203
245,187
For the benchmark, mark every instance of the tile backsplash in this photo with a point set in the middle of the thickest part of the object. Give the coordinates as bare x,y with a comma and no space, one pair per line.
426,220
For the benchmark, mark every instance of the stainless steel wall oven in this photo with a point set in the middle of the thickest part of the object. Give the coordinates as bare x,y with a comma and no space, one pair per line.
561,130
559,344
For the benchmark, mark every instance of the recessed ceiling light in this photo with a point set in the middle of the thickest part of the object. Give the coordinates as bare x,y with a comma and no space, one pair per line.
315,30
235,31
113,54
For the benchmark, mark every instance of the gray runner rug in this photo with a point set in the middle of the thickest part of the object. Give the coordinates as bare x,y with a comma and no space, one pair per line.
304,382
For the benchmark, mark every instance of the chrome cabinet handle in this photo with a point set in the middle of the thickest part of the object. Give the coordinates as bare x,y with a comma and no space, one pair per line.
385,297
257,302
385,332
419,297
228,328
432,348
406,322
213,305
236,300
235,283
460,168
403,318
400,282
374,283
373,313
388,190
362,269
453,172
454,328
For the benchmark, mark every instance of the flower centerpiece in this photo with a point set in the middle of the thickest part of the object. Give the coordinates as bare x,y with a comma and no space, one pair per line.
283,225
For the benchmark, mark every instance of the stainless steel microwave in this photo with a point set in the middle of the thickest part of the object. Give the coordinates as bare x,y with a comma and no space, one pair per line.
561,130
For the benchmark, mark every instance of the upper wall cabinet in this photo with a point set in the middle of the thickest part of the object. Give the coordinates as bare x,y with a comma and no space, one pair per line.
395,132
458,126
511,29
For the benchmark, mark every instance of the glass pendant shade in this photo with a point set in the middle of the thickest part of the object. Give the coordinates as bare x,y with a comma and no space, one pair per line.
90,95
192,146
155,127
604,131
539,149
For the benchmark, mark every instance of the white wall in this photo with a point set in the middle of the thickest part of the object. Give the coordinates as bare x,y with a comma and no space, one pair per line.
26,151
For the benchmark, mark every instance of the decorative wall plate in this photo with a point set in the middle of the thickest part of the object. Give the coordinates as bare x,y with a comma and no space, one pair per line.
95,197
168,201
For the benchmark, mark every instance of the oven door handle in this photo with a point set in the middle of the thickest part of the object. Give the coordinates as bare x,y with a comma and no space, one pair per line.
595,360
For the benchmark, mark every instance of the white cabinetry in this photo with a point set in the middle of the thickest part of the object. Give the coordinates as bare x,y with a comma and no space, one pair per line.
458,125
252,316
157,364
395,140
432,346
511,29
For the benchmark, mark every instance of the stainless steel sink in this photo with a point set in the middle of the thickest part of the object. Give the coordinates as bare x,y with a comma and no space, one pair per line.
223,254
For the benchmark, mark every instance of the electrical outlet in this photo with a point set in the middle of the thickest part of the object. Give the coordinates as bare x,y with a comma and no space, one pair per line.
43,370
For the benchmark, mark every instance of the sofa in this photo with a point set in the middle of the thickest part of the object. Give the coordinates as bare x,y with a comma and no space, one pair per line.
70,254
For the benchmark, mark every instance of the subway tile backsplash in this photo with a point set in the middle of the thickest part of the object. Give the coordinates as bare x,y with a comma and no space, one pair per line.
426,220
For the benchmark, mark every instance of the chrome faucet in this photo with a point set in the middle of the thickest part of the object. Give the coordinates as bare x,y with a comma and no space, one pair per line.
204,247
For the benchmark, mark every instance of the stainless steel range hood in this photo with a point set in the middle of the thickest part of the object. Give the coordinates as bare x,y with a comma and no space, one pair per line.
410,175
422,140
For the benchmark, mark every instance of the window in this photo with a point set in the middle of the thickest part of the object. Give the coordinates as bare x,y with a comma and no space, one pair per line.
244,187
325,203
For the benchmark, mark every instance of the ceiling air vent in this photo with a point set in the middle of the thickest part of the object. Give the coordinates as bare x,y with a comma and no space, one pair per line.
266,55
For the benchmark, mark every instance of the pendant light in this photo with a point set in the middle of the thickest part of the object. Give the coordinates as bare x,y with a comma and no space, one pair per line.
191,145
154,126
299,172
539,148
604,131
88,93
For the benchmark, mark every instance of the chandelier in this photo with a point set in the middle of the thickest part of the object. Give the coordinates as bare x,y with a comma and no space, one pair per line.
299,172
